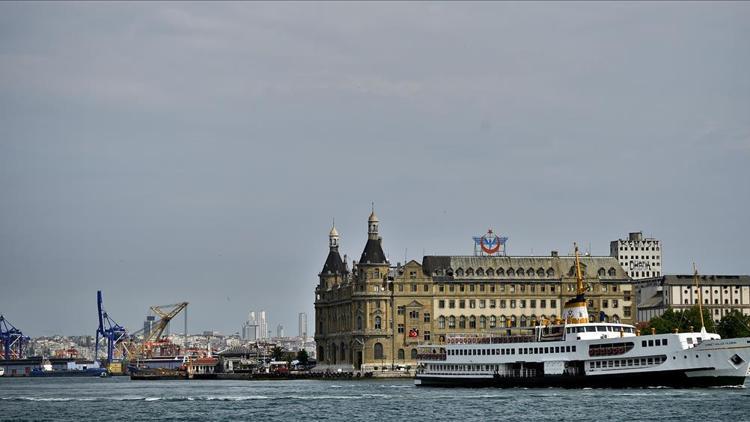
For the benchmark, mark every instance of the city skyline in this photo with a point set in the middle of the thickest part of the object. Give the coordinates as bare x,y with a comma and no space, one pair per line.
199,152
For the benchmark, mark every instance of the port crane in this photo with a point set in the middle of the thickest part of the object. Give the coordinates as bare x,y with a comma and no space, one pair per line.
13,340
108,329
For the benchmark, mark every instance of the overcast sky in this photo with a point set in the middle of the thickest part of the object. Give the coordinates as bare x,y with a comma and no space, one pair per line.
198,152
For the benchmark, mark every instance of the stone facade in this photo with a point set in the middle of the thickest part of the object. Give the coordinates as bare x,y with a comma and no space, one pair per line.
376,314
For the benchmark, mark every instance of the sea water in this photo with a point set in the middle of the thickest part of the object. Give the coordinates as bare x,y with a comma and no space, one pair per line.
119,398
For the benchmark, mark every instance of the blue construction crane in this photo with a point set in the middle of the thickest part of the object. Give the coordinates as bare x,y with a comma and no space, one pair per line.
108,329
13,340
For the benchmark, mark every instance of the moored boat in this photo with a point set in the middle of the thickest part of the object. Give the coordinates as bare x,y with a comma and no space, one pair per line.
575,352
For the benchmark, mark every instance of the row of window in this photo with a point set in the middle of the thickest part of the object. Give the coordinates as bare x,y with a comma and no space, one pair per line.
489,322
512,351
631,248
624,363
512,272
716,301
492,303
657,342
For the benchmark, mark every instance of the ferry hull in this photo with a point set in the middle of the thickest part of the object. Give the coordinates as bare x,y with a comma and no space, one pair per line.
673,379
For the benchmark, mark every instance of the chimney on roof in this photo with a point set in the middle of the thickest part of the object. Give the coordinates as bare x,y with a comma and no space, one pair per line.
555,254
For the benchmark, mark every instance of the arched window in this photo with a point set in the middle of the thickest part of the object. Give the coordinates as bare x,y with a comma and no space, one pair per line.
602,272
333,353
511,272
490,272
342,351
321,353
480,271
441,322
400,354
359,322
460,272
483,322
469,272
612,272
503,321
533,320
550,272
513,321
462,322
413,353
501,272
520,272
493,321
473,322
451,322
540,272
377,323
615,318
530,272
378,349
523,320
591,318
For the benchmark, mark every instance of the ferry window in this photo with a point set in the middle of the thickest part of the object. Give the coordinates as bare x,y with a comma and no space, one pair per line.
636,362
536,350
630,362
590,329
617,364
643,343
600,328
690,340
650,361
650,343
643,362
493,351
512,351
557,349
567,349
664,342
502,351
574,349
657,342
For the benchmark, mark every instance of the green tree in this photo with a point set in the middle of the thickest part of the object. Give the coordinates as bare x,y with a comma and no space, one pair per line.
682,320
734,325
303,357
277,353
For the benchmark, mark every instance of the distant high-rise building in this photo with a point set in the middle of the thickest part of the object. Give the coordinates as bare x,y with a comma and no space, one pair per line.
148,325
302,322
263,325
280,331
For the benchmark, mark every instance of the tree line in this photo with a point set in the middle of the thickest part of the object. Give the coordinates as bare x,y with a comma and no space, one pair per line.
734,324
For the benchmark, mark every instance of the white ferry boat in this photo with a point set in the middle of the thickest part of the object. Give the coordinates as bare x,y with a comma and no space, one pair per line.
577,353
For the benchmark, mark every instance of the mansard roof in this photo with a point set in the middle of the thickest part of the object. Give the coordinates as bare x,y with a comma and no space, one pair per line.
446,267
373,253
334,264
